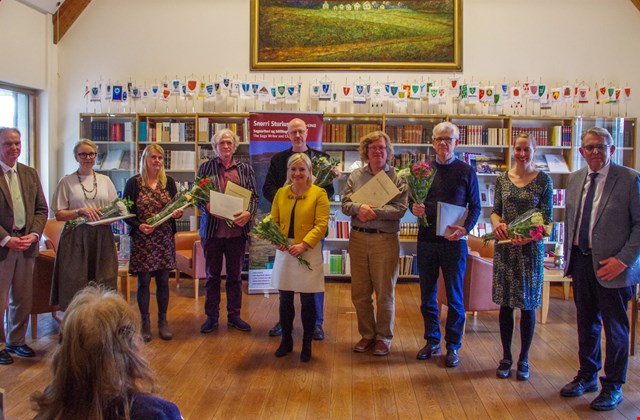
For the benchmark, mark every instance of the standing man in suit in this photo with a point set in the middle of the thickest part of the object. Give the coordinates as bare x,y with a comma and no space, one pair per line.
602,245
23,214
276,177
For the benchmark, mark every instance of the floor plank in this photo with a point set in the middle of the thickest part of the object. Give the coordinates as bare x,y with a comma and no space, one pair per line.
232,374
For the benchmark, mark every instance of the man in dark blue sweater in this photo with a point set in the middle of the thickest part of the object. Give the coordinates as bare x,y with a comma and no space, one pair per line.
456,183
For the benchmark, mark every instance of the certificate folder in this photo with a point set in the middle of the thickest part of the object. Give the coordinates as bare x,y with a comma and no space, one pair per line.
449,214
377,192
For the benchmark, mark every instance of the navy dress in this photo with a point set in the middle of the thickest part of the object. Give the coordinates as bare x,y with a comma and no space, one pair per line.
518,270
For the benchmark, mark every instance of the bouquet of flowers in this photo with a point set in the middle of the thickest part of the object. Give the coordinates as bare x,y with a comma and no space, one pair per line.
419,178
266,229
529,225
325,170
118,207
199,193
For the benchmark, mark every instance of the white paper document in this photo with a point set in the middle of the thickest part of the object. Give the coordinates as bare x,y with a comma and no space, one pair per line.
449,214
224,205
236,190
377,192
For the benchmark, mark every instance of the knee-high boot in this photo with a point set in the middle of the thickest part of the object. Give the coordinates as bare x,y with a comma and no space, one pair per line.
287,314
308,324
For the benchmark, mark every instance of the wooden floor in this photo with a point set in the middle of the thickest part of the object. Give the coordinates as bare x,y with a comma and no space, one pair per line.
231,374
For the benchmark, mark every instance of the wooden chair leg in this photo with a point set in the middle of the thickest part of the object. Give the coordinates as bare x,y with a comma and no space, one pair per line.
34,326
177,278
634,322
196,285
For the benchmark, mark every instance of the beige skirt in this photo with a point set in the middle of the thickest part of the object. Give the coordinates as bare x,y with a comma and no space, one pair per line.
290,275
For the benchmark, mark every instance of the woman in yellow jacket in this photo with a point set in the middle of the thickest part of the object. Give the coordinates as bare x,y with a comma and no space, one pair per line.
301,210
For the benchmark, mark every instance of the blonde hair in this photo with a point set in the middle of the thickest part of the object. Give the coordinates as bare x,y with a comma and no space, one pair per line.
86,142
97,366
300,157
144,172
370,138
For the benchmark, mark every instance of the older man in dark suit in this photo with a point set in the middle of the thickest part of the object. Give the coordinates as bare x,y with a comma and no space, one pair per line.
23,214
602,245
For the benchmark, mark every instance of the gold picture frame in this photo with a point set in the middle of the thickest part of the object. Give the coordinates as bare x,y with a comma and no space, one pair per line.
413,35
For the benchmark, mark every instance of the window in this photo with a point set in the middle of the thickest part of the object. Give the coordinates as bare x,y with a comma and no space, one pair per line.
16,110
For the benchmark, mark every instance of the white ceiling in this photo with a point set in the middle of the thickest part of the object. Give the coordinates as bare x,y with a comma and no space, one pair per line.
44,6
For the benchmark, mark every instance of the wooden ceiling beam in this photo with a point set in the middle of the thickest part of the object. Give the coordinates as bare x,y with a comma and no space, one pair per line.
67,13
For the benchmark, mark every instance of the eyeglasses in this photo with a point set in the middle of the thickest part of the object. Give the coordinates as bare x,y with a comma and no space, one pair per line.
84,155
295,132
377,148
443,139
599,147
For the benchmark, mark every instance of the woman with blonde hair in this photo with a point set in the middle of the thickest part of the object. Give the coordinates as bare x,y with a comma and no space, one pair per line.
301,211
98,368
153,250
81,194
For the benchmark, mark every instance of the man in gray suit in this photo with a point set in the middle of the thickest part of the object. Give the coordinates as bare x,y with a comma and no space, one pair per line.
602,245
23,214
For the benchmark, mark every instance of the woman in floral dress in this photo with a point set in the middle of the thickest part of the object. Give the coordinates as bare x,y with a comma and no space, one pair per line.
518,266
153,251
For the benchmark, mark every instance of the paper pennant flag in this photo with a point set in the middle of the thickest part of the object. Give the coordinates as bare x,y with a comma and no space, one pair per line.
325,91
291,94
254,88
472,93
567,92
516,95
377,94
245,90
95,94
315,91
145,94
454,83
433,96
135,93
542,91
442,95
280,92
504,90
155,90
415,93
263,91
555,94
175,86
210,92
234,88
225,85
165,94
393,91
626,93
359,93
583,92
464,91
202,90
192,86
116,93
108,92
401,97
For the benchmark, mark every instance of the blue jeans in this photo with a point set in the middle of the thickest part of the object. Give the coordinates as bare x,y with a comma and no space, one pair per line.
451,258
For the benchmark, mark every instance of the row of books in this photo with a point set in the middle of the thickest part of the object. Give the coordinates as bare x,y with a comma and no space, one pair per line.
339,229
167,131
409,134
347,133
206,129
341,264
178,160
477,135
558,197
405,159
111,131
556,136
408,230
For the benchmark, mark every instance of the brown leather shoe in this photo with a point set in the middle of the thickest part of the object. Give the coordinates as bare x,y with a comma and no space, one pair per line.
381,348
363,345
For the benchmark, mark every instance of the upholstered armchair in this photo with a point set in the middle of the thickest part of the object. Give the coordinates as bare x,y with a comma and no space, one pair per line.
42,274
478,279
190,258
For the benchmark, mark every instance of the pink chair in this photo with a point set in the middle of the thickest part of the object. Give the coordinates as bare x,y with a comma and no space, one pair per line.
190,258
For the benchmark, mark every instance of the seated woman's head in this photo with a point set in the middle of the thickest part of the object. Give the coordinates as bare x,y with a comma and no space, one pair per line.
97,365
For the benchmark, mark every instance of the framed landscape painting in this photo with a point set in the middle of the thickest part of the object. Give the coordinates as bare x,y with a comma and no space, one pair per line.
356,35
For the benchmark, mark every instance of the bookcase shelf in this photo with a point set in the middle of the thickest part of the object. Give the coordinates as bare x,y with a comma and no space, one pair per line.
487,139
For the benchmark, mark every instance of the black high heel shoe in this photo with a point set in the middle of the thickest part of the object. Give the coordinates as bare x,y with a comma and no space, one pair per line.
504,369
522,374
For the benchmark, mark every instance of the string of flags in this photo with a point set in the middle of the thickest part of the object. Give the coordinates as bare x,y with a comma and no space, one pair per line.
359,92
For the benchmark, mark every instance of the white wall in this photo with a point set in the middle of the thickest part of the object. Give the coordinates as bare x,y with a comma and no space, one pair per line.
28,58
146,40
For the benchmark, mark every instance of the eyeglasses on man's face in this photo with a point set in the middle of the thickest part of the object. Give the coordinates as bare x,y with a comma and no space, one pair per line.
297,132
85,155
443,140
599,147
376,148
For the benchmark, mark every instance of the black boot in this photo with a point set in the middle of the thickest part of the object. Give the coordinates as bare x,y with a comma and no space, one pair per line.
308,323
287,313
163,327
145,328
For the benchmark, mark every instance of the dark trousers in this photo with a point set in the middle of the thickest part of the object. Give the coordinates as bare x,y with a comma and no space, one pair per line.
233,251
319,302
598,307
162,290
451,258
288,313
